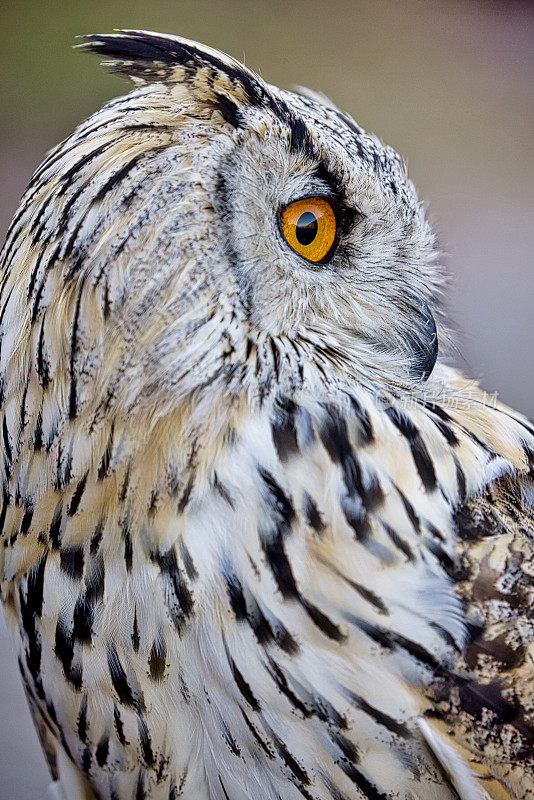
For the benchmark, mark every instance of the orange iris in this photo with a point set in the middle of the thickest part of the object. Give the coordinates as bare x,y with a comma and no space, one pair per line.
309,226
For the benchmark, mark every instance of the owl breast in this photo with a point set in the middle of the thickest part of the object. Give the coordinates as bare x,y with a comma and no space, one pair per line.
237,635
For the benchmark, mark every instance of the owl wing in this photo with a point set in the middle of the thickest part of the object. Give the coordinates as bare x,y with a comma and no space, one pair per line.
424,579
486,710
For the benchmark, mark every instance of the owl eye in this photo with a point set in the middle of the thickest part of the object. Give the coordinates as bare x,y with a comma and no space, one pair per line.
309,227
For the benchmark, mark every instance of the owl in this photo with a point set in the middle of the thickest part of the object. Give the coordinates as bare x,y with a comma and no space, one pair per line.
259,540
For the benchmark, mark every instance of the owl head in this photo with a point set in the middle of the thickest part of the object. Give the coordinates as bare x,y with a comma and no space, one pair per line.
208,229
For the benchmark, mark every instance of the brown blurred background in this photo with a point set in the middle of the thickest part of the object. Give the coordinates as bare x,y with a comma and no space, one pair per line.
449,84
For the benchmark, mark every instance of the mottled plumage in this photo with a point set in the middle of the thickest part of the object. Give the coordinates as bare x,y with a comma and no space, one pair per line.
258,542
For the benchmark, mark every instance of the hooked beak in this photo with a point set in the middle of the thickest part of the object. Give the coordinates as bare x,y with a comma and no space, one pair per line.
423,343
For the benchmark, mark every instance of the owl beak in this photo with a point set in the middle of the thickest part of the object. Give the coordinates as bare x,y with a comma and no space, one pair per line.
423,343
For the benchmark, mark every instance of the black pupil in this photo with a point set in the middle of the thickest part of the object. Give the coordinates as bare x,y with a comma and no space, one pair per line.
306,230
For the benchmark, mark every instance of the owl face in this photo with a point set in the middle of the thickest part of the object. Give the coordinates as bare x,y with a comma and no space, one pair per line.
209,229
369,298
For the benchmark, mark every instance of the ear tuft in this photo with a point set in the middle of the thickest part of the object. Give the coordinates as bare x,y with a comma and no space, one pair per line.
148,57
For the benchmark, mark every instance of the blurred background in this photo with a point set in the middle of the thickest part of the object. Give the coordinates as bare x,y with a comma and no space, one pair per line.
449,84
